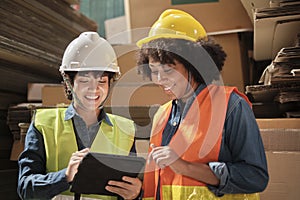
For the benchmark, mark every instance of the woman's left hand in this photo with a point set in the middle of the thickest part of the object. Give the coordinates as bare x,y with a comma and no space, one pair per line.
129,188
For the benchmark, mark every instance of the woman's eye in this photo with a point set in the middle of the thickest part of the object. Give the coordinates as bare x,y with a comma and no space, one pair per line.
169,70
83,81
102,81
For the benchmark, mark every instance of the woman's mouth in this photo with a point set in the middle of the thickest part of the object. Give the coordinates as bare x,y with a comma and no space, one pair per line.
92,97
167,88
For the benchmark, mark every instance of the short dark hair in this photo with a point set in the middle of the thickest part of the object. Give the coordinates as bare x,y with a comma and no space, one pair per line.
200,58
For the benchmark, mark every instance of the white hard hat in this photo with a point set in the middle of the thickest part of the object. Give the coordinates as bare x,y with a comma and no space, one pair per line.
89,52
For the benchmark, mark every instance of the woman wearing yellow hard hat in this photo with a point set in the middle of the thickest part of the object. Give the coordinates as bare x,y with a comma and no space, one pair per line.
205,142
175,24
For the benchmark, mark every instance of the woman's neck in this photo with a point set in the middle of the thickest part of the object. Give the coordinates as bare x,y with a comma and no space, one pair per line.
193,86
89,117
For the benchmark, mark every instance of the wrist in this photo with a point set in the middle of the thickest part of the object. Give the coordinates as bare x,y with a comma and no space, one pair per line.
180,166
67,177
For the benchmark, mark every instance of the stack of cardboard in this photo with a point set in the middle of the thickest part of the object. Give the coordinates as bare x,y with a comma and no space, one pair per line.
21,113
267,99
276,25
284,68
279,96
18,120
39,30
19,116
33,36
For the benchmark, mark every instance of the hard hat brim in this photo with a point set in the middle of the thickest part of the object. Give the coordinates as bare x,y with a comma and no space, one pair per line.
174,36
103,69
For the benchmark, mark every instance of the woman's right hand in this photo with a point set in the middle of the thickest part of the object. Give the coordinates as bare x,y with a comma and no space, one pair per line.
75,159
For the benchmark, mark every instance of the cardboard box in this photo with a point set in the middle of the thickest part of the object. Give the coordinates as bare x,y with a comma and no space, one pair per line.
136,95
217,16
126,56
34,91
250,5
280,134
115,30
281,139
131,89
54,95
233,71
279,123
284,175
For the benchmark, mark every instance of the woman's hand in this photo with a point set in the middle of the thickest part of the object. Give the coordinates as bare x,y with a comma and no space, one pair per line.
163,156
75,159
129,188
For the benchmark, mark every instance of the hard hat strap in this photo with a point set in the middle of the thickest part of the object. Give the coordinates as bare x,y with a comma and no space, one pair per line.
69,85
103,102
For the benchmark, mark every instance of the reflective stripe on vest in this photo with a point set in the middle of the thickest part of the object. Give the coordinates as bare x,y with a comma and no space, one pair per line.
60,140
90,197
198,139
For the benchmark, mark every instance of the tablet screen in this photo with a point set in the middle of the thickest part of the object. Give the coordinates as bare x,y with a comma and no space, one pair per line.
96,169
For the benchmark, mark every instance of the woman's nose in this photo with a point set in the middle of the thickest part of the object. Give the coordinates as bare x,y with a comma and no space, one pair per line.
162,77
93,84
159,77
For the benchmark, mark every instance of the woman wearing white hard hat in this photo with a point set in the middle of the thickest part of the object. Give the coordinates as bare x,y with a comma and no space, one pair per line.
59,138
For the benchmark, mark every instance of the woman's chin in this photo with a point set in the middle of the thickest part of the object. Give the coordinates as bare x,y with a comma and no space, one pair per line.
170,94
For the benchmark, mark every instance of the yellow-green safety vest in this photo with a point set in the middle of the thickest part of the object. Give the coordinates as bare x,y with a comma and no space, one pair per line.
60,140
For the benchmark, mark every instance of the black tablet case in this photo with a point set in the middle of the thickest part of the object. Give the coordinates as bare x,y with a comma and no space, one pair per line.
96,169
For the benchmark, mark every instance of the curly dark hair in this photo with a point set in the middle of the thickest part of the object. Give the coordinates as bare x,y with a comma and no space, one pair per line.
204,58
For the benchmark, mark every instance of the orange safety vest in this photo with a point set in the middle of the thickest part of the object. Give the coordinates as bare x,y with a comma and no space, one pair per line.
198,139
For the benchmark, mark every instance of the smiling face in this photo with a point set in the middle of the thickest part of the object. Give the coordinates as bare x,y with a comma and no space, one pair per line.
91,90
172,78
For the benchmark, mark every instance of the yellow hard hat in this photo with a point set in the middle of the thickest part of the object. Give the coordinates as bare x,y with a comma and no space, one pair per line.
174,23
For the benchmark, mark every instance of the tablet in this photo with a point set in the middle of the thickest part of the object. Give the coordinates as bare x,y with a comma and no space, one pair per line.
96,169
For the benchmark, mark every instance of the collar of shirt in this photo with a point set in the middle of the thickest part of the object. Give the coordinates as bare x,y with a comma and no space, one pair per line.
71,112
